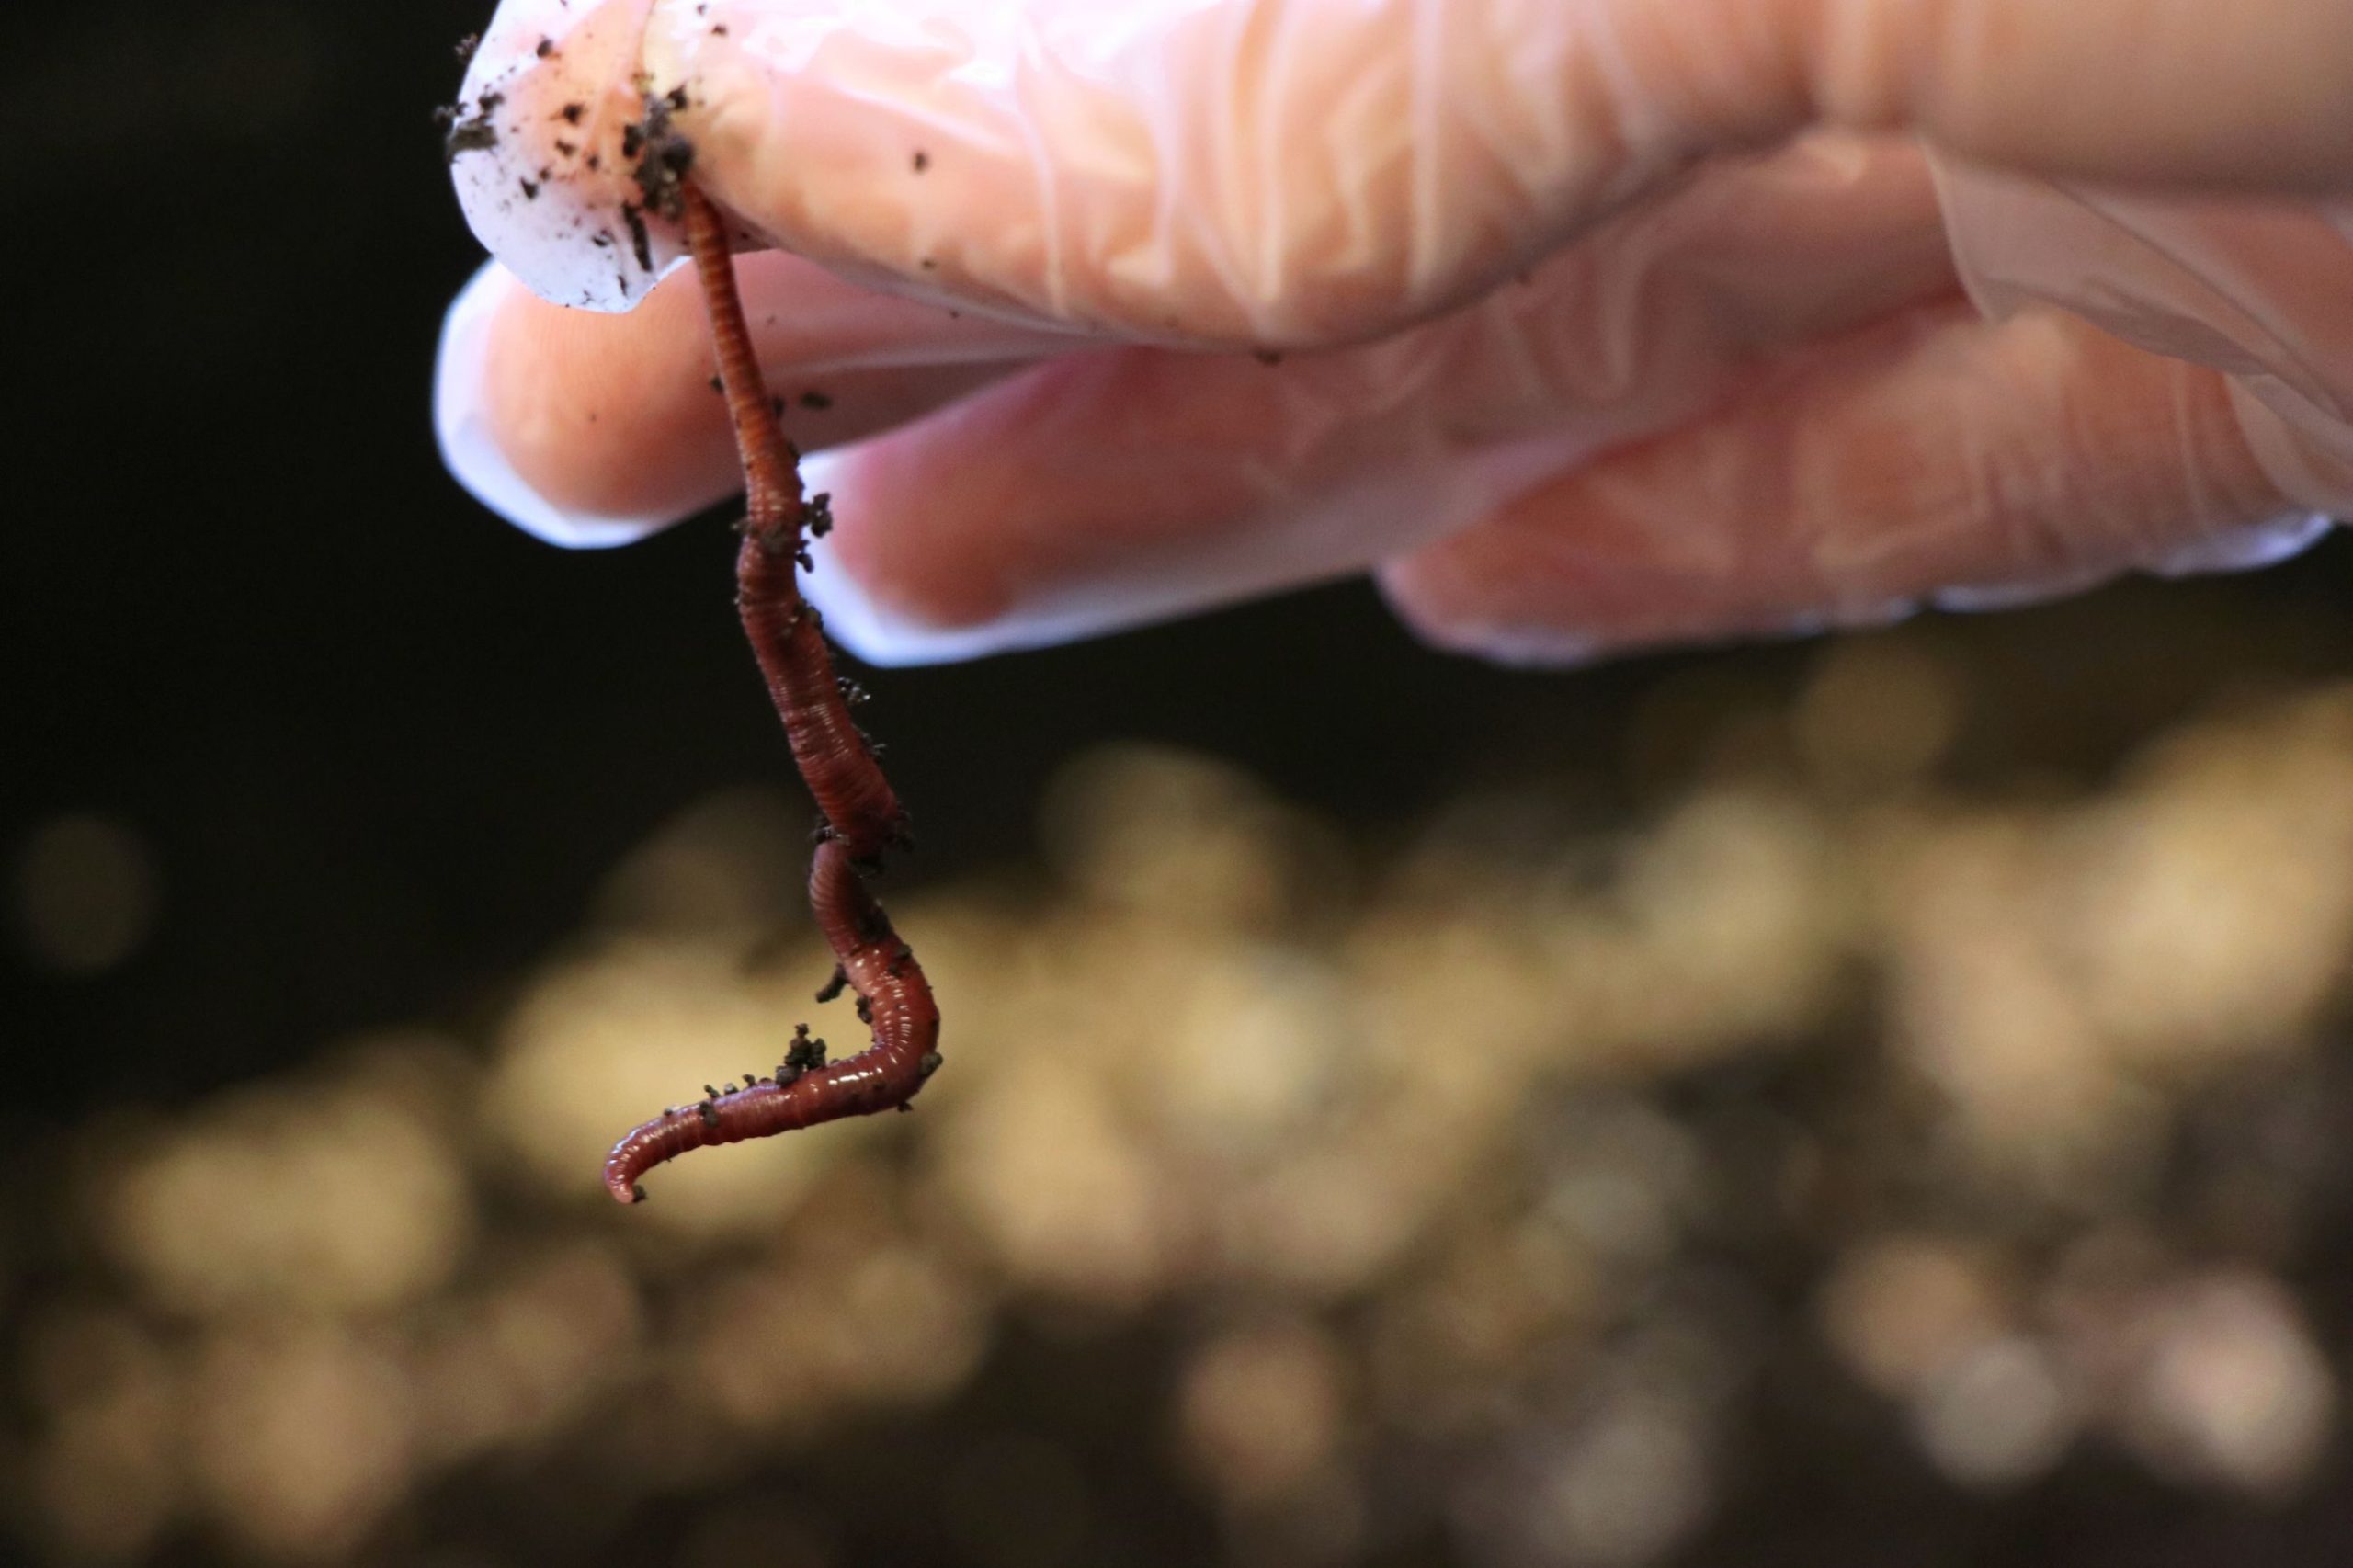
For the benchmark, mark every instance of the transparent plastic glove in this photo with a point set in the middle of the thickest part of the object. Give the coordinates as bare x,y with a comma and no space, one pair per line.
1601,323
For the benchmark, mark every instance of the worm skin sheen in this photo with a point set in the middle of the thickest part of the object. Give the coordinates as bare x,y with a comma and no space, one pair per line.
836,761
883,1076
862,815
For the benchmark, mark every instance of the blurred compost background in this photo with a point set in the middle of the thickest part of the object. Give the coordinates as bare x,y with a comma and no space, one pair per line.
1884,1101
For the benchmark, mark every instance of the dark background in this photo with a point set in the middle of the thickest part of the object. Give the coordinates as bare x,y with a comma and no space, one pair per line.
381,745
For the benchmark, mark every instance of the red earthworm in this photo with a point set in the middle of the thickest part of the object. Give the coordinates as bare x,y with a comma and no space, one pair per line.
862,815
835,760
785,632
806,1090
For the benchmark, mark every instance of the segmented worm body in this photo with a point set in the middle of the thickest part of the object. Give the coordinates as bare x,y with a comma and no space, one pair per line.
862,815
806,1090
835,760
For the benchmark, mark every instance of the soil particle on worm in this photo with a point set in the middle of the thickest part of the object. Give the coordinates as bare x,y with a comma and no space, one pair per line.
662,156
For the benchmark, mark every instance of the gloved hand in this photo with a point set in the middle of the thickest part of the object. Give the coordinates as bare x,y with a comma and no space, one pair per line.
1584,325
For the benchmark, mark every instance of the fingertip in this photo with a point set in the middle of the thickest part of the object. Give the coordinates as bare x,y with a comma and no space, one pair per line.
541,152
466,433
896,590
875,631
2000,594
1450,612
872,634
2246,549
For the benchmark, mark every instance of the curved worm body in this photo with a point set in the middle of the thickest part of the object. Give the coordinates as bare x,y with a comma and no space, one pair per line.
862,813
805,1090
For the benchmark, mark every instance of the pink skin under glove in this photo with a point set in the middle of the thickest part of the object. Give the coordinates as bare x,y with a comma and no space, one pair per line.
1599,325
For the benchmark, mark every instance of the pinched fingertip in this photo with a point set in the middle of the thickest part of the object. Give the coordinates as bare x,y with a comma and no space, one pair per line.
467,433
548,151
